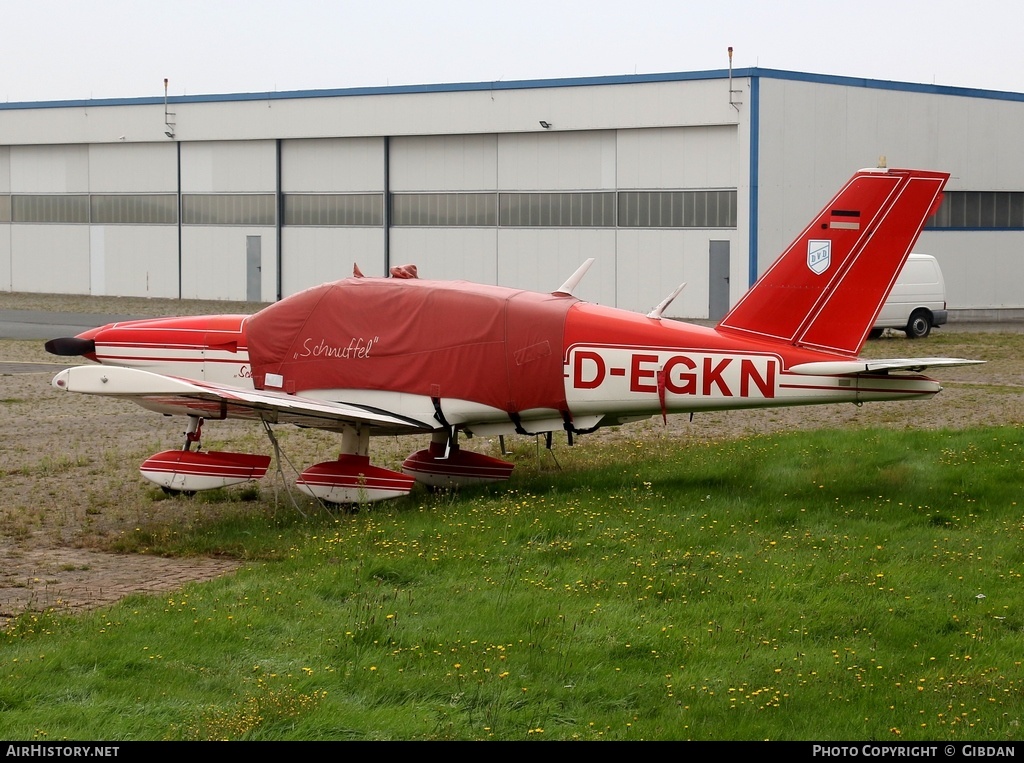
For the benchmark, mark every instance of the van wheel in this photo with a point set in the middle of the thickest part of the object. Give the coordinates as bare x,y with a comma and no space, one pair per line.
919,325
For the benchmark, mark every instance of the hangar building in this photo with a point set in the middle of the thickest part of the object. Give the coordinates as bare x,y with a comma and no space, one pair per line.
702,177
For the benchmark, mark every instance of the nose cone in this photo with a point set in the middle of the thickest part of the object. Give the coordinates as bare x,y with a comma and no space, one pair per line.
84,344
71,345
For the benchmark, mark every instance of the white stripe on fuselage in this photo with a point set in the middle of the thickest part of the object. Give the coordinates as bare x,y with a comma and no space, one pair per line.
182,361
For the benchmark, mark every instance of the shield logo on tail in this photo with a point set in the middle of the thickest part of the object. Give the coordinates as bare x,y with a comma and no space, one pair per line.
819,256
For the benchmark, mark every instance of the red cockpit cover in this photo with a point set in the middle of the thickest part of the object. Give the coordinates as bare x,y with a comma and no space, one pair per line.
445,339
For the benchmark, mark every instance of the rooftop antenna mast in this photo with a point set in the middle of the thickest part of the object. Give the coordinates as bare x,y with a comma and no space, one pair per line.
732,93
168,115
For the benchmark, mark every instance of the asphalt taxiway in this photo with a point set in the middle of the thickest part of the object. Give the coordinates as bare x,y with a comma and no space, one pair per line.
43,325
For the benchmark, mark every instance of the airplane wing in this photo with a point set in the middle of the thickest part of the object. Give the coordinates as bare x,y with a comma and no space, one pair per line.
168,394
879,366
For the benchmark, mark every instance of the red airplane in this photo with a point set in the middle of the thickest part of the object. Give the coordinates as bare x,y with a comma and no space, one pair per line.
391,356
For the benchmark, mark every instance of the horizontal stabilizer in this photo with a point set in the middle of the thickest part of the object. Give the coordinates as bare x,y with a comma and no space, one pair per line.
855,367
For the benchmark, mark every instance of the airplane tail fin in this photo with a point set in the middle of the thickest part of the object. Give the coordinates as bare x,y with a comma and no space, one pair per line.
827,288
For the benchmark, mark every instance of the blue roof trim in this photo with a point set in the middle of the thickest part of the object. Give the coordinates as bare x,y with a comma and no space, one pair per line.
880,84
621,79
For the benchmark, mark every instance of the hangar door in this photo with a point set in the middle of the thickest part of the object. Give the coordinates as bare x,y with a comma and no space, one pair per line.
718,279
253,266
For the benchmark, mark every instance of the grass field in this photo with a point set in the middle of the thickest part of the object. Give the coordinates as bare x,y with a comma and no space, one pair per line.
825,585
857,579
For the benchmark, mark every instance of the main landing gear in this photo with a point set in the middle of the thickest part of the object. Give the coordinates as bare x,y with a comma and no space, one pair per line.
444,464
351,478
187,470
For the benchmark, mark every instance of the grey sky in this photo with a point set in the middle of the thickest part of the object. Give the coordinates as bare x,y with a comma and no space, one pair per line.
76,49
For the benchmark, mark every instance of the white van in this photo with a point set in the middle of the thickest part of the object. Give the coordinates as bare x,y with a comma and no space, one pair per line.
917,301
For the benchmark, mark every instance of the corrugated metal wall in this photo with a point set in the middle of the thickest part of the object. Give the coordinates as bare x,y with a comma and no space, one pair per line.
786,152
813,136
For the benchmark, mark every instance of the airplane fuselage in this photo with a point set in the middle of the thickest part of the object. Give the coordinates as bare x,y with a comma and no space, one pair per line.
615,366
